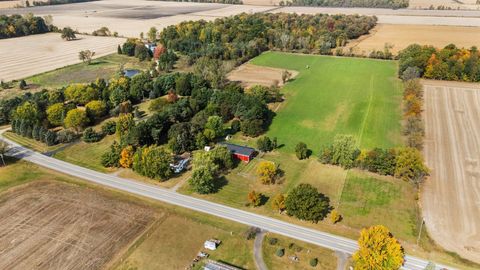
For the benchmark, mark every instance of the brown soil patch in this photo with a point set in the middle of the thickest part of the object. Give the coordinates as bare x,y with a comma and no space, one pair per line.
250,75
451,195
400,36
52,225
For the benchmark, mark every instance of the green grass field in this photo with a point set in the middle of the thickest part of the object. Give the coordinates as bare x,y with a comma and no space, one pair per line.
336,96
104,67
88,155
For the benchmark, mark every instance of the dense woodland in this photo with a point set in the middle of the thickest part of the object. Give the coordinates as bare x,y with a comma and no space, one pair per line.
245,36
18,25
349,3
450,63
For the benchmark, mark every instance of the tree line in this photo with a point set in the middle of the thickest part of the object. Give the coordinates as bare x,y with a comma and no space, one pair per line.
404,162
245,36
394,4
17,25
450,63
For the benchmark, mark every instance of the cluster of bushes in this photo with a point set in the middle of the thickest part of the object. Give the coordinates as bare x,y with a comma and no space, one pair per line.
405,163
135,47
449,63
395,4
245,36
265,144
104,32
17,25
414,127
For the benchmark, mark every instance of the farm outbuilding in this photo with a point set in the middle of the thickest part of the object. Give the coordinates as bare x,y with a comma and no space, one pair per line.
244,153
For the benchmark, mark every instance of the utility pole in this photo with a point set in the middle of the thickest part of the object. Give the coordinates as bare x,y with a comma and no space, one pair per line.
420,232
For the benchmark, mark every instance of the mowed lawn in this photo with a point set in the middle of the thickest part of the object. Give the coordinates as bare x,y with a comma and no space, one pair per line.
336,95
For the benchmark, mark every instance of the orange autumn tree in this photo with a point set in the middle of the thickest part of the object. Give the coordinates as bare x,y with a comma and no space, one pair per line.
254,198
126,157
378,249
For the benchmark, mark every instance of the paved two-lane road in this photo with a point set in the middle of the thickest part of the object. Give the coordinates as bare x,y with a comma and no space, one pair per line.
330,241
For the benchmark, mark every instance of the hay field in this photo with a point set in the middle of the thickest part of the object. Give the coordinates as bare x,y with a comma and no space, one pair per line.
333,96
53,225
35,54
400,36
451,195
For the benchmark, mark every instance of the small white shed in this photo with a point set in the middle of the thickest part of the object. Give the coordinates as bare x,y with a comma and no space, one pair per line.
210,245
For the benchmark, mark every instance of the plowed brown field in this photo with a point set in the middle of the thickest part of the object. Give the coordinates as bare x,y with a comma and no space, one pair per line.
451,195
52,225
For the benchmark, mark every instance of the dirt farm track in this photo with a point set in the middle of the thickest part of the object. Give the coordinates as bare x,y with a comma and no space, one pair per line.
44,224
451,196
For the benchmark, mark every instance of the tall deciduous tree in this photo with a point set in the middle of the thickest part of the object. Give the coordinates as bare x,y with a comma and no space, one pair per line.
410,166
306,203
68,34
344,151
378,249
278,202
76,119
254,198
267,171
28,112
55,114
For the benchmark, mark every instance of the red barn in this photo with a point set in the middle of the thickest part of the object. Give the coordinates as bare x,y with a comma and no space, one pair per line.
243,153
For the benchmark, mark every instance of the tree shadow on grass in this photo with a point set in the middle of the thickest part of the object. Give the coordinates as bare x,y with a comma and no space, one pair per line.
8,161
263,199
220,183
97,62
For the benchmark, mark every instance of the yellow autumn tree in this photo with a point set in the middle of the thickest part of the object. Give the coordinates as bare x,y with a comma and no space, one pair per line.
378,249
126,157
335,216
278,202
267,172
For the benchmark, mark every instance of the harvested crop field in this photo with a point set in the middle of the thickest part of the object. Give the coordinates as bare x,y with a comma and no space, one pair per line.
27,56
9,4
453,4
451,195
53,225
250,75
400,36
130,18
